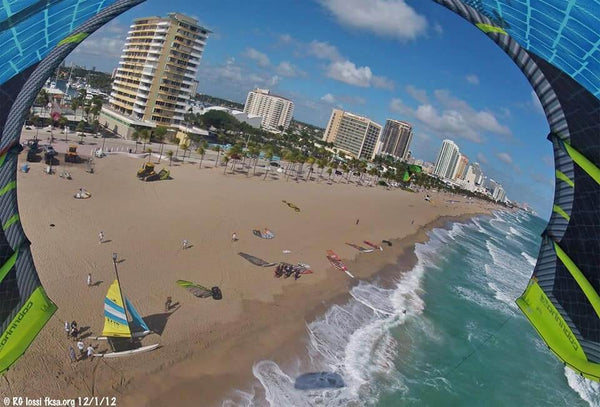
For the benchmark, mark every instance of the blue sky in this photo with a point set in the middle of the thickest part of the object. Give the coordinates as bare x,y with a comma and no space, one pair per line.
410,60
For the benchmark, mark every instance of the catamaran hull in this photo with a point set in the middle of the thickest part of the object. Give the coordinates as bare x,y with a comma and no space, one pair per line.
133,335
128,352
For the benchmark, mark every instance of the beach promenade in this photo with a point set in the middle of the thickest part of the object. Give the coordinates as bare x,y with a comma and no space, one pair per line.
207,347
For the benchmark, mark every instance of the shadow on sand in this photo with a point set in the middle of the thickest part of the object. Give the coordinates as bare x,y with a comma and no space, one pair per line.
158,322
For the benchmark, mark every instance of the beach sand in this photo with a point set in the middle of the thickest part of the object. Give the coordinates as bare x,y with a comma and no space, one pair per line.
207,347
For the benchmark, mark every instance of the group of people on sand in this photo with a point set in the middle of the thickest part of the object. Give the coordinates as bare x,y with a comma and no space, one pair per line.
72,331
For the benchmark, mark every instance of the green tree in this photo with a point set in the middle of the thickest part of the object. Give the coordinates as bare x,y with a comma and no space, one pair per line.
159,135
186,148
170,155
135,137
145,135
310,161
201,150
269,157
218,149
254,152
226,161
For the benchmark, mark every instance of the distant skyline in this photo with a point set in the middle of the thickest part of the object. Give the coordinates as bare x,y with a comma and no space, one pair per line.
385,59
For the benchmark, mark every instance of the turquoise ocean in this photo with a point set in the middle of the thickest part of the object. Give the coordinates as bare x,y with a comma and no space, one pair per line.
446,333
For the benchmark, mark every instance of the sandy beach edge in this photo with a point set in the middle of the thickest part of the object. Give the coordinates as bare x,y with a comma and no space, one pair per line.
222,364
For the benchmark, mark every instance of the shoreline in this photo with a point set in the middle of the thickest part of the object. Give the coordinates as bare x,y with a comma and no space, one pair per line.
207,347
220,385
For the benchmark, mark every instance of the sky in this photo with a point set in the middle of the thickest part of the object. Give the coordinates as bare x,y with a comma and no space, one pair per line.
409,60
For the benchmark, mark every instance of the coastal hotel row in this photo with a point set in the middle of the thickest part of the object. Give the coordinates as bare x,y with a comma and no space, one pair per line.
155,82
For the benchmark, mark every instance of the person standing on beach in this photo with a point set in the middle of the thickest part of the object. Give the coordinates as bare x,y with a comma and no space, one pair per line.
185,244
81,347
234,237
101,237
168,304
67,328
72,354
89,279
357,220
90,352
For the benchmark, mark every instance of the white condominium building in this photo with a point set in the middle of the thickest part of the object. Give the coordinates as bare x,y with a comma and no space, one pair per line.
352,134
447,160
156,75
275,110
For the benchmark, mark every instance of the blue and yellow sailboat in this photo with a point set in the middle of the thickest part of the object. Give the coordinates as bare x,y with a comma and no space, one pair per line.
122,322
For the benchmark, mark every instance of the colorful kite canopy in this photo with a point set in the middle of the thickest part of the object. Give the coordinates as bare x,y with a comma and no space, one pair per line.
35,36
556,43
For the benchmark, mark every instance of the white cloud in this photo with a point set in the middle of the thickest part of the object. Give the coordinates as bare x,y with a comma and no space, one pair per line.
329,98
288,70
386,18
481,121
382,82
234,78
437,27
418,94
548,160
285,38
451,117
481,158
472,79
101,47
348,72
505,158
351,100
397,106
261,58
323,50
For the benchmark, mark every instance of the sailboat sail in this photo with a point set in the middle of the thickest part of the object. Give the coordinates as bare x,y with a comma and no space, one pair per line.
137,320
115,318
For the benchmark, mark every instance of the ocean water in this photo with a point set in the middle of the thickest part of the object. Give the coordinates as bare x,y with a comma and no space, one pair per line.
448,333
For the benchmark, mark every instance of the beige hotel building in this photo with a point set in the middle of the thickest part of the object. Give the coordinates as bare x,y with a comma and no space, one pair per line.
354,135
156,75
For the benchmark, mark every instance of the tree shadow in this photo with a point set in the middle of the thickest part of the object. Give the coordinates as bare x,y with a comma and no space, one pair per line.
158,322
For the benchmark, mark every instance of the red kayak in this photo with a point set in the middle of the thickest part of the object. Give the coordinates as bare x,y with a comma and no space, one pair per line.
337,262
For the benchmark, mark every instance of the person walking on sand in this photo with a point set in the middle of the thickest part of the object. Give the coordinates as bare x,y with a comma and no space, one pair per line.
185,244
168,304
101,237
234,237
89,279
72,354
67,328
357,220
